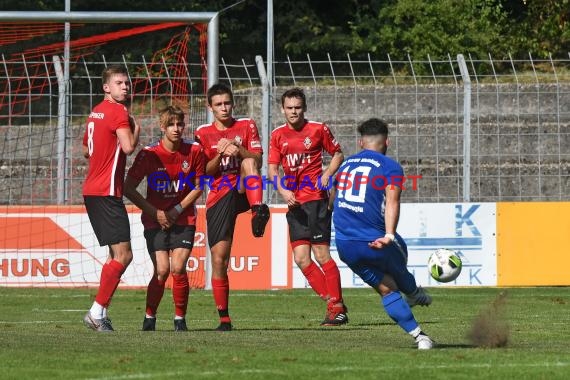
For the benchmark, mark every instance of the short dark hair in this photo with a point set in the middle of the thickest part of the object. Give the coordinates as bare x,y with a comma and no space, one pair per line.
372,127
219,89
111,70
294,92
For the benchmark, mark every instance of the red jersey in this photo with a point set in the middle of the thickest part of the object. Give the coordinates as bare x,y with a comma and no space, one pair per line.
301,155
107,160
245,132
170,177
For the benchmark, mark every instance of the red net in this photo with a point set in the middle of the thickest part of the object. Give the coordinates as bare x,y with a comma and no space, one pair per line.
29,73
166,63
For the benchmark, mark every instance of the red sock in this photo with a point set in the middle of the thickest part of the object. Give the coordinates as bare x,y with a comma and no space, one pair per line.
110,278
154,293
180,292
332,276
254,190
221,290
316,279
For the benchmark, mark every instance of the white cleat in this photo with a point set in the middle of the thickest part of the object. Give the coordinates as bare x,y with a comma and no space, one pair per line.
424,342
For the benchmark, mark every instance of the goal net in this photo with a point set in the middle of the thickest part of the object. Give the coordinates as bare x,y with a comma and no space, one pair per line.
45,235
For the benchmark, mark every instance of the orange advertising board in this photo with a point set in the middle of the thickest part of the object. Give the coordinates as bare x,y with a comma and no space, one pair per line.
53,246
532,241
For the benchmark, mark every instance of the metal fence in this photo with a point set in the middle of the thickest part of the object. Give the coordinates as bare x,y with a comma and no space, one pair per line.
514,119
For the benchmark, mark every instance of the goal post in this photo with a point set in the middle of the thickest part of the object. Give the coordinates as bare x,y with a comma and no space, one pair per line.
210,18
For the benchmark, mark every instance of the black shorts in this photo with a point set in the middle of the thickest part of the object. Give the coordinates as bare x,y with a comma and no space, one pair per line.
166,240
311,221
221,217
109,219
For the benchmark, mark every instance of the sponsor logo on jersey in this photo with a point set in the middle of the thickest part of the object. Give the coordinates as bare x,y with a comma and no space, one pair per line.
97,115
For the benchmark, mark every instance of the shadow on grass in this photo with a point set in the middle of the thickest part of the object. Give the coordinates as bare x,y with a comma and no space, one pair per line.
461,345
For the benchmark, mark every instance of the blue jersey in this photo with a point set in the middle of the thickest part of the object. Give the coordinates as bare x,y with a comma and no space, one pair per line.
360,195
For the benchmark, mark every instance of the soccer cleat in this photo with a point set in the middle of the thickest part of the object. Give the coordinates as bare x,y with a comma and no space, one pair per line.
418,297
259,219
180,325
149,324
424,342
336,316
224,326
100,325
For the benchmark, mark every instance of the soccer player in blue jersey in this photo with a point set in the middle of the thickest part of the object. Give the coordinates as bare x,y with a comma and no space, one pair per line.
366,212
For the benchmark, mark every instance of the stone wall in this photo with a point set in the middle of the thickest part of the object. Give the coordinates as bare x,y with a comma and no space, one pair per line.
520,140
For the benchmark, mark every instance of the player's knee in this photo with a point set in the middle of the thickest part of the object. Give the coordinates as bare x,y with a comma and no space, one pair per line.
302,261
220,262
385,289
322,256
178,268
162,274
178,272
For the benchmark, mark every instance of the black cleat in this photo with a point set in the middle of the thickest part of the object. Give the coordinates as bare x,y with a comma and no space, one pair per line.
224,326
149,324
336,316
180,325
259,219
418,297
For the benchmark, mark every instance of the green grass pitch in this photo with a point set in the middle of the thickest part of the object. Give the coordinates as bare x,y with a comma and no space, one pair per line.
278,336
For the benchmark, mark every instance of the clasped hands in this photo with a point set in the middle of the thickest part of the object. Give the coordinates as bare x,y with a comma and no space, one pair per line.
228,147
166,219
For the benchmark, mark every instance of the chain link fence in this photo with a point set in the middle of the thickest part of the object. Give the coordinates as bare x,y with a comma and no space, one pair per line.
518,114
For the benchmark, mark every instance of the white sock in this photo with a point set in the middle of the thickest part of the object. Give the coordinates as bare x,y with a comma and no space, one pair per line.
96,311
104,312
178,317
415,332
150,316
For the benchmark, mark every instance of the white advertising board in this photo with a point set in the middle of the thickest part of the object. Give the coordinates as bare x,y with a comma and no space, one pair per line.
467,228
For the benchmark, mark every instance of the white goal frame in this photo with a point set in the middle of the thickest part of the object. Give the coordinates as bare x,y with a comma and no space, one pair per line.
211,18
212,53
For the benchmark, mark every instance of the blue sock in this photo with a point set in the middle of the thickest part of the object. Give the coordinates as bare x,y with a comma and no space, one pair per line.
399,311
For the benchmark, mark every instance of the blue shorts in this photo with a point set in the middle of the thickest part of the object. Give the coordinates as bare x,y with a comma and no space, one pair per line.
372,264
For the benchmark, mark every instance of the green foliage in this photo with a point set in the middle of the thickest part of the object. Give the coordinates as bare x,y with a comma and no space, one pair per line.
543,27
278,336
435,28
314,27
396,27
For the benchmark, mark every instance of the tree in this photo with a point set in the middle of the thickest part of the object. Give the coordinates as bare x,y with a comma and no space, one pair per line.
435,28
542,27
358,27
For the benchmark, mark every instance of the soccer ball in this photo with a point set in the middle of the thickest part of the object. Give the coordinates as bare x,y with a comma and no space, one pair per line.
444,265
